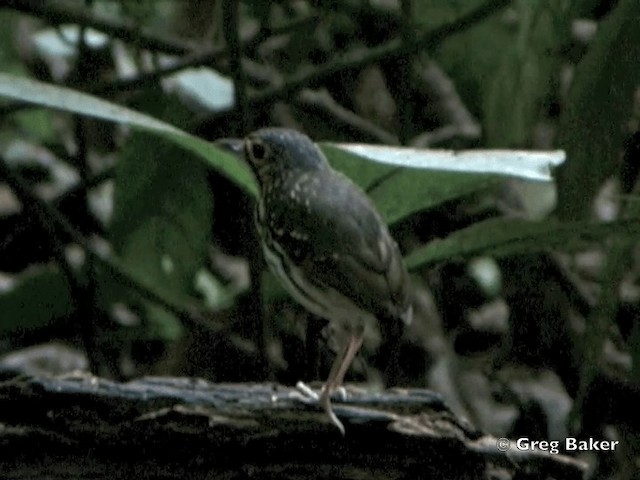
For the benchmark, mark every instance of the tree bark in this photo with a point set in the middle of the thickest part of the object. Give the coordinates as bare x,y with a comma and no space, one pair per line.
81,426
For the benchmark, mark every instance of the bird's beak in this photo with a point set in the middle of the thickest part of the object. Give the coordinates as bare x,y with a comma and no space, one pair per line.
234,146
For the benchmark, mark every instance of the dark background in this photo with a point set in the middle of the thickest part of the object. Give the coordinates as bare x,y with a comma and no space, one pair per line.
126,254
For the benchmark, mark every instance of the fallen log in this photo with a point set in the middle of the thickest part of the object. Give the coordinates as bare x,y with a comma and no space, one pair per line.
81,426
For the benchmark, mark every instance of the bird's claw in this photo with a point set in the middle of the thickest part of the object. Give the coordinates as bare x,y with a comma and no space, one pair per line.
340,393
308,395
307,392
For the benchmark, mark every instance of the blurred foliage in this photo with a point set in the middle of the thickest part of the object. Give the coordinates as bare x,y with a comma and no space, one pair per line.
600,102
38,299
170,265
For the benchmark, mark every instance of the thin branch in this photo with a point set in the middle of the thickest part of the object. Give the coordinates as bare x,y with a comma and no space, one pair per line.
232,38
361,57
84,291
406,109
458,121
322,102
145,79
56,13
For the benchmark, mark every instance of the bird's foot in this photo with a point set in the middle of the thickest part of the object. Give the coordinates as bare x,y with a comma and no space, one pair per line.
307,392
325,403
324,399
340,393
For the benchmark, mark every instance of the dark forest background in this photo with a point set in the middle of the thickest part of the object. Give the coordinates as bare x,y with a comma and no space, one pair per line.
127,246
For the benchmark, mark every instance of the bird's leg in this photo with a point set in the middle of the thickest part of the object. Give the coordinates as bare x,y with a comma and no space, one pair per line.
336,376
355,342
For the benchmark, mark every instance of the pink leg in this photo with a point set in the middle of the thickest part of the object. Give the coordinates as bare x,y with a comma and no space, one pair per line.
336,376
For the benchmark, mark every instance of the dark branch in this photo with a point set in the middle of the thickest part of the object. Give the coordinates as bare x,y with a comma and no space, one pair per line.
232,38
57,14
360,57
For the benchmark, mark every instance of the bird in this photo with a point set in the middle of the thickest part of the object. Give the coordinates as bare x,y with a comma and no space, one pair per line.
326,243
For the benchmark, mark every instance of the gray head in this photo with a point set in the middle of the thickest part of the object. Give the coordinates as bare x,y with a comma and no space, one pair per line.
274,151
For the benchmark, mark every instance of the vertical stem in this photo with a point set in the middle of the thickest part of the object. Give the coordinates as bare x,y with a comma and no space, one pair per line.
406,105
82,287
231,27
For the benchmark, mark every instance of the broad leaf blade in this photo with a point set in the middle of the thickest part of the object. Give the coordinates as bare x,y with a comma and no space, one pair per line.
402,181
162,215
520,85
526,165
600,104
66,99
503,236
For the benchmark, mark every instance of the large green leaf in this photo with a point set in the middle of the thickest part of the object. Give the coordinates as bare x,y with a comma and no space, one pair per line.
403,181
503,236
398,191
514,100
162,215
61,98
410,191
600,103
470,58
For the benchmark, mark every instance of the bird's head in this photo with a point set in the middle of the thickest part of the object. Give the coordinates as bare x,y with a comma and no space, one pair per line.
274,152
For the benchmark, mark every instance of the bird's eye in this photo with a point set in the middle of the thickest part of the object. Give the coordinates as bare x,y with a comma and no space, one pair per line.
257,152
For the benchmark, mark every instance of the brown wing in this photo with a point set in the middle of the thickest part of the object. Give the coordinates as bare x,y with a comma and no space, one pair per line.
339,241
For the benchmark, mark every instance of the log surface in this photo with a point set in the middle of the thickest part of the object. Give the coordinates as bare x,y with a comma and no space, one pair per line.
81,426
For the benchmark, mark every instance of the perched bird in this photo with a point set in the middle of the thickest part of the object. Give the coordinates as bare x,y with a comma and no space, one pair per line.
326,243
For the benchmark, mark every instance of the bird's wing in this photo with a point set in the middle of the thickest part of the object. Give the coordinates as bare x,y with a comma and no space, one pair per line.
340,242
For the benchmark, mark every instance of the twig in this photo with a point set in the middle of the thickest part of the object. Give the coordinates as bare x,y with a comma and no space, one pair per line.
404,75
232,38
323,101
145,79
361,57
458,120
55,13
87,310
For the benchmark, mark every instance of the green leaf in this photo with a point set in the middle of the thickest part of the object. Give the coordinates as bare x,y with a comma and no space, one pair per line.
526,165
362,172
502,237
66,99
592,127
515,98
11,60
434,176
162,215
471,57
39,298
411,191
160,325
215,294
37,124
